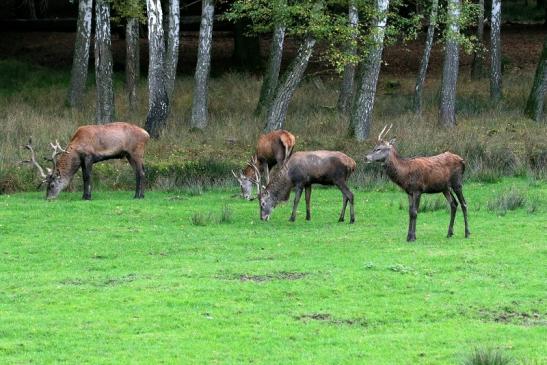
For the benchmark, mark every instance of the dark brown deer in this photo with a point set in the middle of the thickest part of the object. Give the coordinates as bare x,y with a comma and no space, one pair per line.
435,174
272,149
91,144
301,171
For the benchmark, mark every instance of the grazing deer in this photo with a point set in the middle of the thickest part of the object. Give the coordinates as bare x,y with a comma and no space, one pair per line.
91,144
272,149
435,174
301,171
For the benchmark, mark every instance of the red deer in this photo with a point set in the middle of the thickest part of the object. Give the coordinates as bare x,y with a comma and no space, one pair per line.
435,174
301,171
91,144
272,149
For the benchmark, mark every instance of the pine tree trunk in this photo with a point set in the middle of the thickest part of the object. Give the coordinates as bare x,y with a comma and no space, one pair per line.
447,112
203,66
271,76
346,88
80,62
536,100
495,51
418,98
158,100
103,63
132,65
284,92
477,66
173,36
369,70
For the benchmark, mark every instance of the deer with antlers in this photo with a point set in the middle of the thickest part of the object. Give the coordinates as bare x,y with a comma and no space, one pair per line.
272,149
435,174
91,144
301,171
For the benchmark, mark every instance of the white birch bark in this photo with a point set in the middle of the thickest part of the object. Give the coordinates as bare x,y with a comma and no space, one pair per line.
363,104
78,76
477,66
536,100
203,66
495,51
346,88
132,65
271,76
277,110
418,98
447,109
158,100
103,63
173,37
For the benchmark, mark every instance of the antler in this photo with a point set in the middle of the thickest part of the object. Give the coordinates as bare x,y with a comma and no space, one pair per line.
257,173
57,150
32,160
382,133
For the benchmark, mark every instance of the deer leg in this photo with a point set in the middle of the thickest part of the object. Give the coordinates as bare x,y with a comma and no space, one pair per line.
413,205
138,167
86,174
298,193
266,173
453,208
308,198
348,196
459,194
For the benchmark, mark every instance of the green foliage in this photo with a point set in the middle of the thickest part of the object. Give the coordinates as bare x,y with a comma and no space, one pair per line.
125,9
507,200
488,356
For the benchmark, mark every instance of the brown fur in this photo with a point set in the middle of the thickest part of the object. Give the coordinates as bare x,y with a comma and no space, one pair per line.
272,149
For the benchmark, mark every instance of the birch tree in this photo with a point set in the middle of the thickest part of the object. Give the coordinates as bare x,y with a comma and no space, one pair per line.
495,51
477,66
536,100
203,66
132,65
346,88
103,63
447,109
418,98
78,75
173,36
158,100
369,70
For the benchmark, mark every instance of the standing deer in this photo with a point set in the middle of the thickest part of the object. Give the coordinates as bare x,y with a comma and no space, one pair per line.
435,174
301,171
272,149
91,144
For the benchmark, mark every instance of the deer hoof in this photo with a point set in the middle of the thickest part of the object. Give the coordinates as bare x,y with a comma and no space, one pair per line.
291,219
340,219
411,239
450,234
308,218
86,197
467,234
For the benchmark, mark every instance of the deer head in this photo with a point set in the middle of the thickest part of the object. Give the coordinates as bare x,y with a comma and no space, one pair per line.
53,180
246,183
383,148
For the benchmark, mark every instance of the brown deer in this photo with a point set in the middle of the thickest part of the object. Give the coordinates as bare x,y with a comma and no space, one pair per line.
91,144
272,149
301,171
435,174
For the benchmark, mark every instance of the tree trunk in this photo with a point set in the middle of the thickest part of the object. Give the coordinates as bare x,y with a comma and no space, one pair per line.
477,66
246,54
284,92
536,100
158,100
418,99
363,104
495,51
271,76
103,63
80,62
203,66
132,65
346,89
173,36
447,112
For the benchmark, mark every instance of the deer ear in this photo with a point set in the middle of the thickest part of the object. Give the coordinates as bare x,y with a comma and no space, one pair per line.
392,141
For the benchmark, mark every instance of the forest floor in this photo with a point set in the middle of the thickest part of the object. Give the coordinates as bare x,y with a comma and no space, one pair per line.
185,277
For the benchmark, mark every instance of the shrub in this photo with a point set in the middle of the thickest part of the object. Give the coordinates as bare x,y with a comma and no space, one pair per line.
508,200
226,215
484,356
201,219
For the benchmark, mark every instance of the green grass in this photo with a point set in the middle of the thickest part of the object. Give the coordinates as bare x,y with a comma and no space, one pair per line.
115,280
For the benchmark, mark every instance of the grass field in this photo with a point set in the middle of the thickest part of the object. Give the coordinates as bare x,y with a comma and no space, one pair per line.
181,277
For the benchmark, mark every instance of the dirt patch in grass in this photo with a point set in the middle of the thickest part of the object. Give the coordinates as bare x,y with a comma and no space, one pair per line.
511,316
329,319
283,275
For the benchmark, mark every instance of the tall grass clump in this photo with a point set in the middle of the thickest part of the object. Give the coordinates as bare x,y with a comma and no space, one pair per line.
511,199
488,356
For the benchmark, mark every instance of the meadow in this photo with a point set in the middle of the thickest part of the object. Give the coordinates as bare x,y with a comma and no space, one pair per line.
194,277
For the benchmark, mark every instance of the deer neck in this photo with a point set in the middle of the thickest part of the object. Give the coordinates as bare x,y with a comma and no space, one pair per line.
396,168
280,186
67,164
